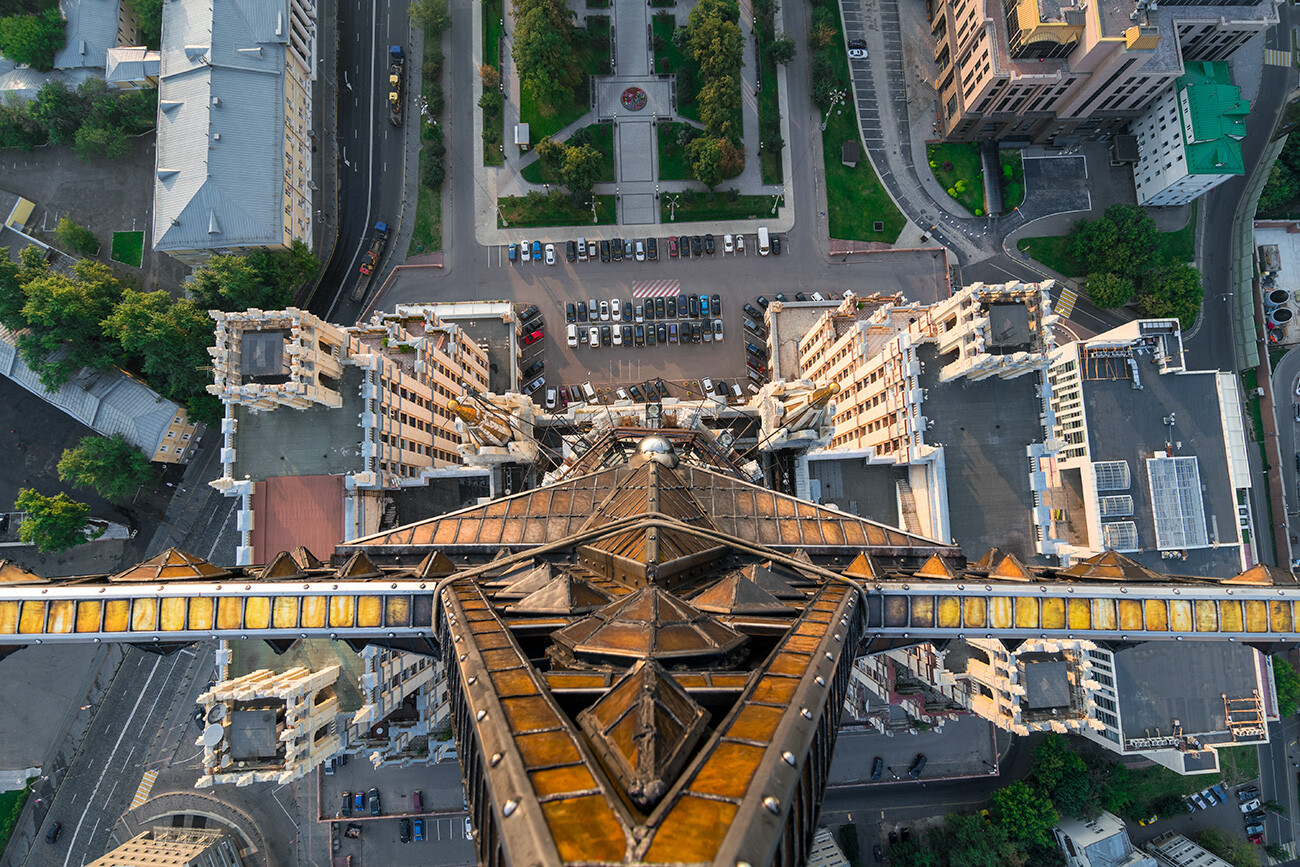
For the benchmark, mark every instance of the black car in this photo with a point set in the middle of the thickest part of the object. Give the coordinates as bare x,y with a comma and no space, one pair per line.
684,245
697,246
682,308
534,368
532,325
671,304
347,804
918,765
640,335
651,249
53,834
571,251
799,296
649,312
627,335
528,312
877,854
650,334
776,246
694,306
570,313
405,824
627,248
780,296
661,332
751,310
604,335
708,244
616,250
695,332
877,766
372,799
661,308
634,391
893,837
663,389
762,301
604,251
715,305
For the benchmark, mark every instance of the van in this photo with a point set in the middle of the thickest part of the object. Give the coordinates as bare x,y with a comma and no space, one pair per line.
735,389
755,376
708,386
817,296
589,393
764,246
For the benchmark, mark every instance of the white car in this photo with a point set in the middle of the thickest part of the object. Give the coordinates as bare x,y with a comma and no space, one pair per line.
740,243
728,244
858,49
534,385
622,395
717,331
618,336
573,334
552,397
616,311
1249,807
582,249
640,251
707,384
550,254
604,311
593,337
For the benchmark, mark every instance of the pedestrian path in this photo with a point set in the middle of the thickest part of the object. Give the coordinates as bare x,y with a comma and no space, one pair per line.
146,786
1277,57
1065,302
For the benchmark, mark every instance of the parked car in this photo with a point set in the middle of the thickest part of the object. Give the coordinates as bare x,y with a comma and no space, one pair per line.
640,251
857,49
684,246
616,250
652,249
728,245
604,251
605,331
593,336
708,244
716,302
1247,793
532,337
524,255
753,312
359,800
628,250
528,312
776,246
53,833
740,243
661,332
717,330
706,333
704,305
571,251
762,301
640,335
604,311
697,246
694,303
570,312
799,296
372,799
514,252
573,335
615,312
670,305
1248,807
534,368
582,311
1210,797
564,395
627,335
347,804
661,308
469,829
918,765
672,332
552,397
877,855
534,385
672,247
582,249
419,830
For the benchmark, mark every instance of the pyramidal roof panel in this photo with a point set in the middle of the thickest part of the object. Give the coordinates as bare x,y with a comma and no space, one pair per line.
649,623
563,595
736,594
644,729
775,579
1109,566
171,565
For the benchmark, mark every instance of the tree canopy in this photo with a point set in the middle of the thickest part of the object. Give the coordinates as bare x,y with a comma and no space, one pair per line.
110,466
94,119
1107,289
1287,682
64,317
1025,813
543,49
33,39
53,523
1122,241
262,278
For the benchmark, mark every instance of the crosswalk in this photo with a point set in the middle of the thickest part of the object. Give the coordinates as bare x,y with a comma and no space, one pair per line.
656,288
1065,303
1277,57
146,786
1290,854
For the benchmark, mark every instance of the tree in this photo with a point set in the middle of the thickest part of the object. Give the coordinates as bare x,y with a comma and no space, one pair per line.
706,160
1107,289
77,237
13,276
1172,292
913,854
112,467
52,523
101,143
266,279
17,127
33,39
1282,189
1122,241
148,15
491,78
782,50
431,14
581,170
551,154
719,103
969,841
67,314
59,110
1025,813
1287,682
543,50
1233,848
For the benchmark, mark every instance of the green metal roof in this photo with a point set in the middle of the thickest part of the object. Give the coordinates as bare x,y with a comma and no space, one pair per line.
1215,112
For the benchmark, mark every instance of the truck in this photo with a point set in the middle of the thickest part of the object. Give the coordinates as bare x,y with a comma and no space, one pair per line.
396,63
370,262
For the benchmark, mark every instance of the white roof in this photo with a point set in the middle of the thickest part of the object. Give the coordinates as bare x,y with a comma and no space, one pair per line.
220,171
91,31
131,63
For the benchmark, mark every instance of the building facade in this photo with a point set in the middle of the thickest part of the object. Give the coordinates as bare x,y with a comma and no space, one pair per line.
1189,139
1099,842
175,847
1022,71
234,150
1172,849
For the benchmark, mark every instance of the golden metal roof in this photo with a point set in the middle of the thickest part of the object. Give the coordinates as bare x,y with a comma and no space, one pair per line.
649,623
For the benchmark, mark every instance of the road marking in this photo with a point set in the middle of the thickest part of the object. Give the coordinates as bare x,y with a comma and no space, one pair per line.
146,786
1065,303
656,288
1277,57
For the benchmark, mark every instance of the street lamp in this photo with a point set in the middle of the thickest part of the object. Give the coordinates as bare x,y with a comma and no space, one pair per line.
504,222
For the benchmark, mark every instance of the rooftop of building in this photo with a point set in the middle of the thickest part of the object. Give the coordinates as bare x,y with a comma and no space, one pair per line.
867,490
1128,424
254,735
1217,117
984,428
315,654
1160,681
297,510
131,63
220,159
1046,681
1100,842
91,31
316,441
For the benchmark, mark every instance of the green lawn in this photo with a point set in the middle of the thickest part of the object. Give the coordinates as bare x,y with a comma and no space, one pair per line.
957,163
1053,250
715,206
426,235
602,139
11,807
493,33
669,59
1148,787
769,114
855,198
1013,186
592,59
128,248
526,212
674,164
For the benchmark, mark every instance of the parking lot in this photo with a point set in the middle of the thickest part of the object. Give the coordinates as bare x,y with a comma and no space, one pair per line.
964,747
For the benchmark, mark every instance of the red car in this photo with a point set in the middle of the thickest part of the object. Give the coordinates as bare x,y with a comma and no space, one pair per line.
533,338
672,247
1257,839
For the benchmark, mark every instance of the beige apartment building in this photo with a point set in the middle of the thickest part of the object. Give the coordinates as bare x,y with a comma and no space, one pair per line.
1060,71
163,846
233,166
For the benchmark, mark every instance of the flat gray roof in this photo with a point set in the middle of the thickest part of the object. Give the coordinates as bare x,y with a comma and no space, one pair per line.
866,491
1047,684
1127,424
984,428
252,735
1162,681
317,441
